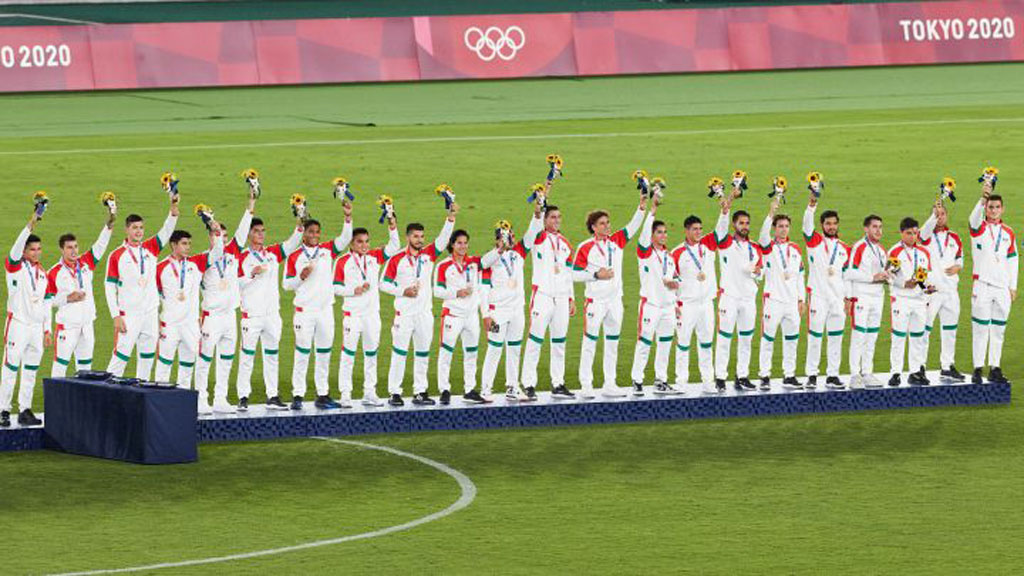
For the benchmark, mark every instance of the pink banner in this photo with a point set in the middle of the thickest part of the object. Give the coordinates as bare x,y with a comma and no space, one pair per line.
269,52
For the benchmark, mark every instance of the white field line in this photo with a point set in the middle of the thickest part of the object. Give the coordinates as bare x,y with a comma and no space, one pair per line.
513,137
466,487
47,18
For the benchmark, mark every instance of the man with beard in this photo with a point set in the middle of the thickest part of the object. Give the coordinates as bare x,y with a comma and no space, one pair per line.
784,299
866,279
828,257
947,253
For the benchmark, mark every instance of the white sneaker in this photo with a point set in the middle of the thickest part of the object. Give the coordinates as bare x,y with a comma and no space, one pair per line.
709,388
515,394
587,393
223,407
856,382
612,391
871,382
372,400
345,401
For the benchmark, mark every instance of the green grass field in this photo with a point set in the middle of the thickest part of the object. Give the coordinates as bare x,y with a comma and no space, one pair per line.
921,491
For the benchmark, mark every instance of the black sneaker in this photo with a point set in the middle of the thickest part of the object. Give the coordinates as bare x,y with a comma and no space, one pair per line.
638,387
531,393
791,383
422,399
27,418
976,378
5,419
834,383
243,404
766,385
743,384
446,397
396,400
894,380
812,382
562,392
326,403
918,379
274,403
995,374
720,386
296,403
473,397
953,374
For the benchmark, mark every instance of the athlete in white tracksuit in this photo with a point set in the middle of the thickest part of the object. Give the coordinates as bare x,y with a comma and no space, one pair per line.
598,264
407,277
259,278
504,317
865,280
218,325
178,279
69,284
552,303
784,300
741,267
357,281
27,327
656,319
132,296
462,285
909,305
947,253
309,273
994,250
695,298
827,260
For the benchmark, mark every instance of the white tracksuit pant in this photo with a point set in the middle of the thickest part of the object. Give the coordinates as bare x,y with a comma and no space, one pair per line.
656,324
78,340
506,332
418,327
546,313
826,318
908,320
313,329
257,330
23,349
599,314
356,327
695,316
183,338
867,319
142,333
218,334
736,317
454,328
784,315
990,309
946,306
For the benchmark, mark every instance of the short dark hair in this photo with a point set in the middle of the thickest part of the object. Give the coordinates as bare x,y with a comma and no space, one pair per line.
413,227
593,217
360,232
829,214
871,218
179,235
908,223
65,238
255,222
657,224
32,239
550,208
455,236
690,221
132,219
779,218
311,222
994,198
739,214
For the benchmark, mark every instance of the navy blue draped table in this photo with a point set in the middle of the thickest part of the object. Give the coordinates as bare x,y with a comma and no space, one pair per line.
129,423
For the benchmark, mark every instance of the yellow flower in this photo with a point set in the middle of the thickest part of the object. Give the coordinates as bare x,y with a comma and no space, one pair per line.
949,184
443,189
920,275
554,159
203,208
638,174
894,263
992,170
339,181
107,196
659,182
537,188
503,225
813,177
167,177
714,182
780,183
739,175
250,174
384,200
298,199
40,195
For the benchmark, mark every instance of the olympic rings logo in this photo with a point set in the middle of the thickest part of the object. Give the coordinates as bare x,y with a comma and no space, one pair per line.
494,42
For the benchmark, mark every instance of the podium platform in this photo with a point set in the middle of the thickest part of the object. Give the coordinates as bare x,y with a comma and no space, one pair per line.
261,424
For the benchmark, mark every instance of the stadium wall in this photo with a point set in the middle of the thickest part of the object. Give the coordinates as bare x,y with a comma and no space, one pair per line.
271,52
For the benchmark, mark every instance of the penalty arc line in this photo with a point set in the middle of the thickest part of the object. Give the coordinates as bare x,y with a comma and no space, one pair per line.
514,137
466,497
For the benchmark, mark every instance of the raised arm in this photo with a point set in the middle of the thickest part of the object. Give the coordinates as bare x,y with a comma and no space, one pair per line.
343,239
101,243
242,232
394,242
634,223
644,241
488,259
808,222
765,237
18,249
928,228
722,226
292,243
977,217
533,230
164,234
441,242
